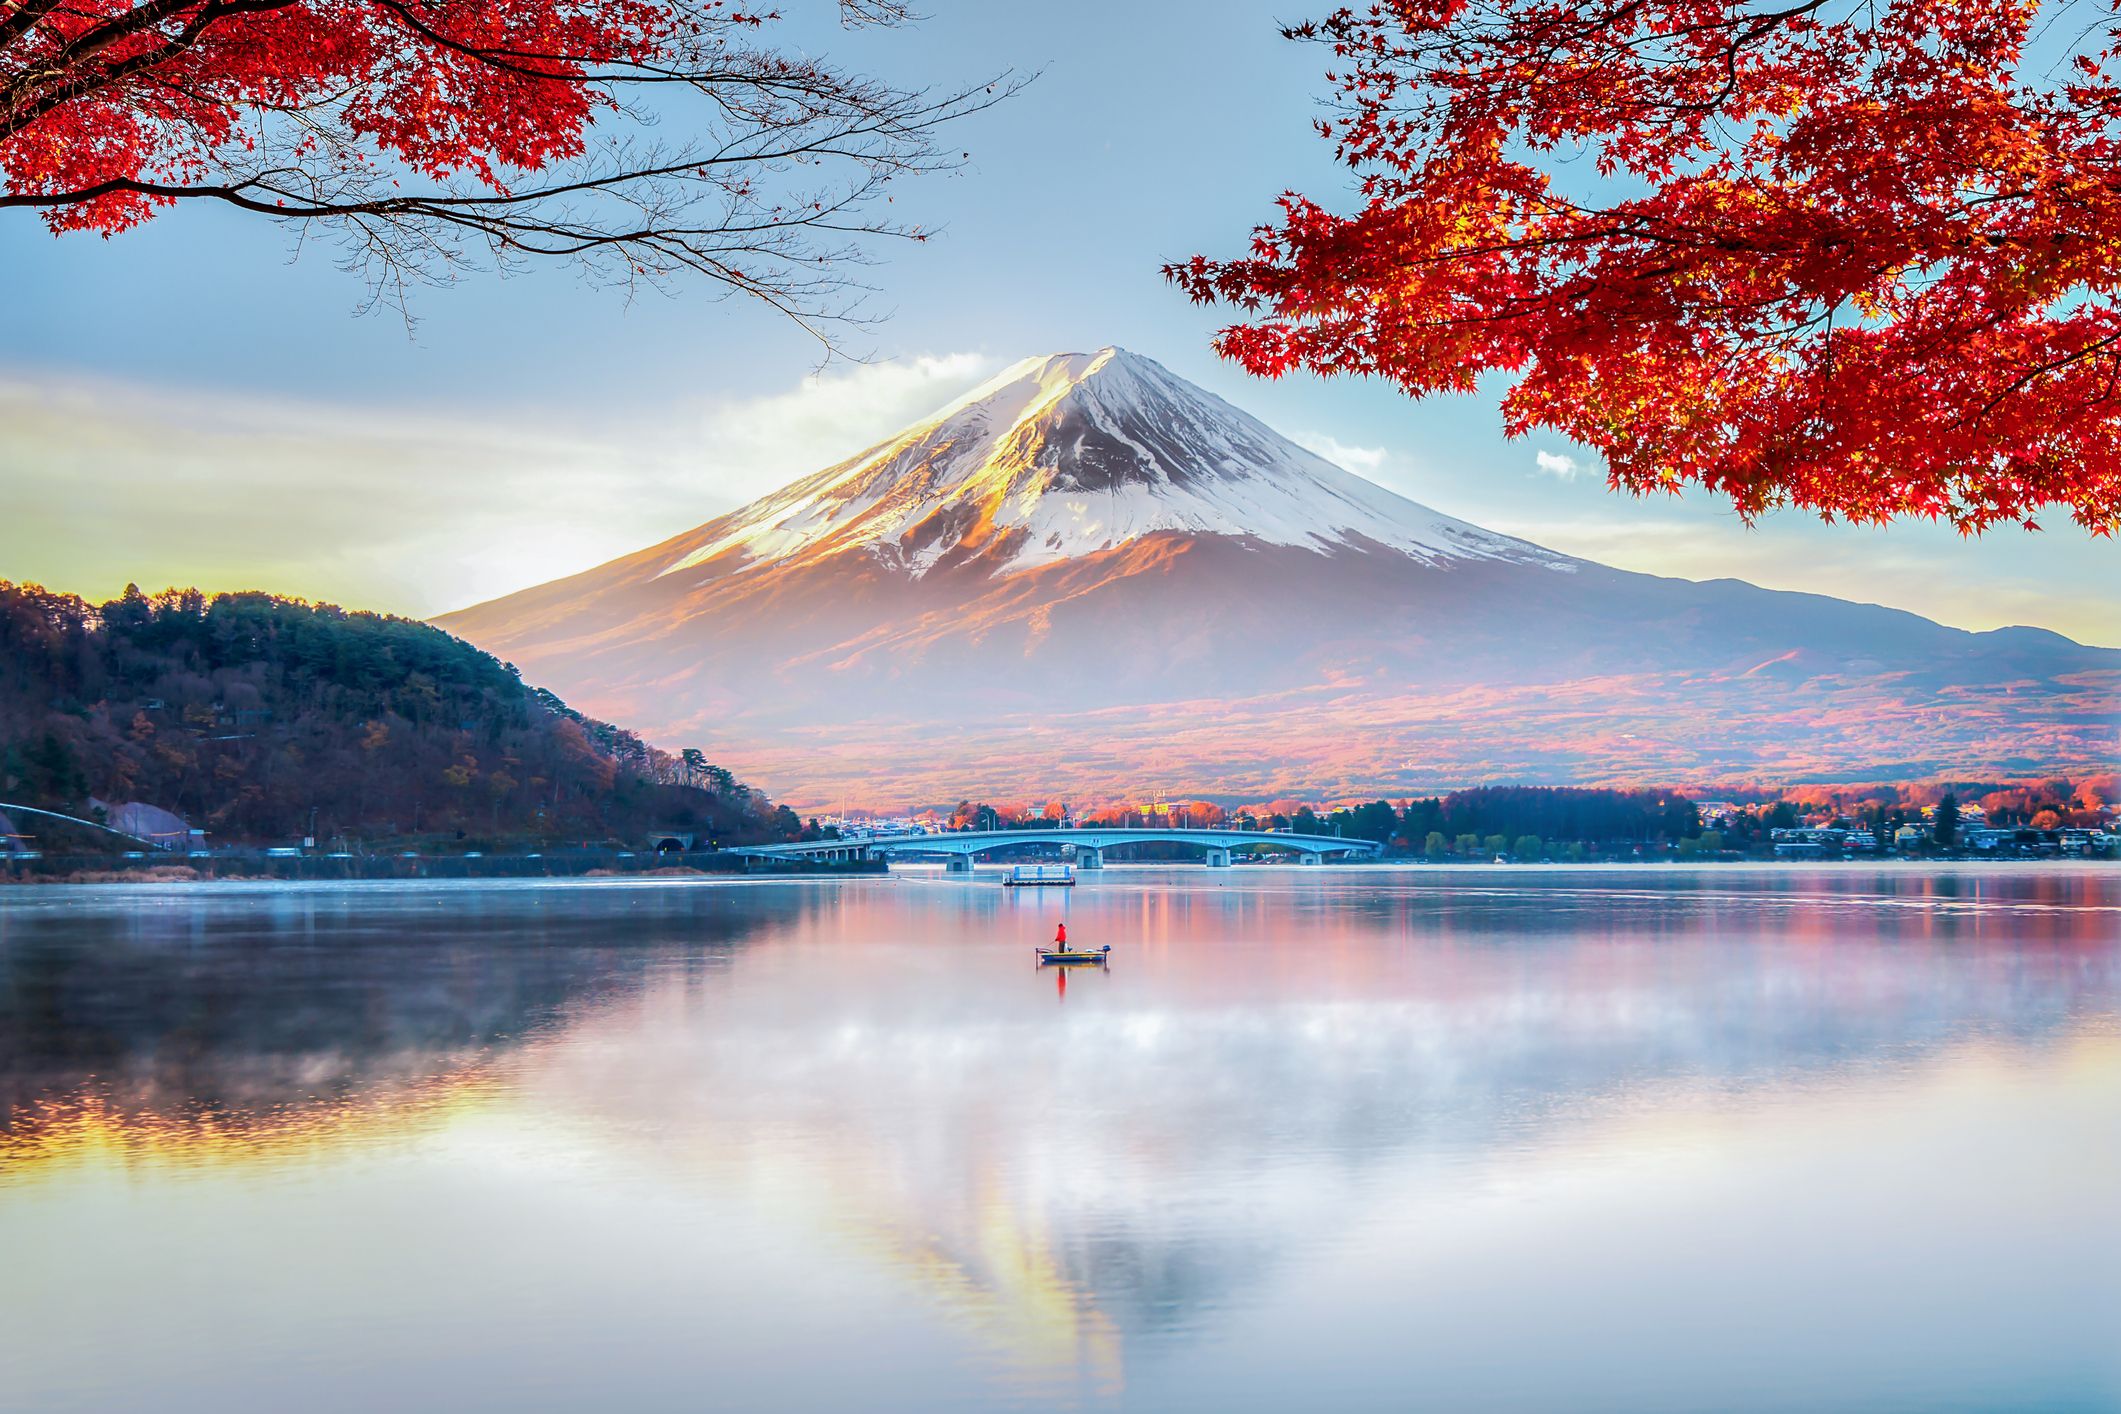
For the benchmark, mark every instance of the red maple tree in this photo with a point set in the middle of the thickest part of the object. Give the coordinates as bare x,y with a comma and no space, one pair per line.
1859,258
431,132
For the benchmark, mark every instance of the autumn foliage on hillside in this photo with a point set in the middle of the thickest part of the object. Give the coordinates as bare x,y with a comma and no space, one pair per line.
1856,258
2081,800
246,713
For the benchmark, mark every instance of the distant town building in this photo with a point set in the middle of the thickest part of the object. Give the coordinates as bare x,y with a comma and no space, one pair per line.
1806,840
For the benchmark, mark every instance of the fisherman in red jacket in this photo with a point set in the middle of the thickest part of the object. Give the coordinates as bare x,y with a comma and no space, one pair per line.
1060,936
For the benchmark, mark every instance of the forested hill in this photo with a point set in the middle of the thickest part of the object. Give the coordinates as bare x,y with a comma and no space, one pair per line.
245,713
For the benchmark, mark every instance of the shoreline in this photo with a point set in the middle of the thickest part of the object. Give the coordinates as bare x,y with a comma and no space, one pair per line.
328,869
77,872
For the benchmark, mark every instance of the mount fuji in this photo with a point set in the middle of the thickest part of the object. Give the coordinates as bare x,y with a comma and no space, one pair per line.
1088,577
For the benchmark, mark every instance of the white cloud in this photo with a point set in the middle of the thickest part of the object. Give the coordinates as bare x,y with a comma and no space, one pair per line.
385,508
1395,471
752,446
1364,461
1556,464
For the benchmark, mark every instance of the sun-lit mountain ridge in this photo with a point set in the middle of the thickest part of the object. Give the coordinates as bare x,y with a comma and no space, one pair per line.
1071,454
1087,576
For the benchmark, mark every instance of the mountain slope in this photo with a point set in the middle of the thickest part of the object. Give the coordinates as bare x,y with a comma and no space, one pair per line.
1072,454
260,718
1089,576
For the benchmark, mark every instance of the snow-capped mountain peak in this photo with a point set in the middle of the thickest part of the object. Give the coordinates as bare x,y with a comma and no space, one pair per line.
1066,455
1086,575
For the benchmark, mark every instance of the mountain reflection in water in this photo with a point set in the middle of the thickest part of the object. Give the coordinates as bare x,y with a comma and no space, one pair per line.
1303,1112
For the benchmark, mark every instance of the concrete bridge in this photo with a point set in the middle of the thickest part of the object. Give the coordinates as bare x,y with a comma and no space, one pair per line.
7,842
1089,845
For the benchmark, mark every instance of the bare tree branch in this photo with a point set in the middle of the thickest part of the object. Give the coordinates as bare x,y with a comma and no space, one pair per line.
492,134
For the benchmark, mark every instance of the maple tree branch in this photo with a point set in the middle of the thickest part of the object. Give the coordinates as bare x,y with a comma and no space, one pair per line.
20,112
2035,374
1858,264
23,18
412,190
761,256
135,21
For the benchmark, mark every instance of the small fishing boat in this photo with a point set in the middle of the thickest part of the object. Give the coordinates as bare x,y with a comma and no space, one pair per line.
1074,957
1039,876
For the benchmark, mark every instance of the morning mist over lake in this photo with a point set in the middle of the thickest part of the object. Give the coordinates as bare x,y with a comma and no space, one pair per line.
1149,708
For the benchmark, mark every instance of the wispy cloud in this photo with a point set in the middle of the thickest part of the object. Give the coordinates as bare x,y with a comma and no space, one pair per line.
1558,464
1365,461
105,482
751,446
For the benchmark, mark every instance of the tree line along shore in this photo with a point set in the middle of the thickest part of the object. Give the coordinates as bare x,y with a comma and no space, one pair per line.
250,735
250,718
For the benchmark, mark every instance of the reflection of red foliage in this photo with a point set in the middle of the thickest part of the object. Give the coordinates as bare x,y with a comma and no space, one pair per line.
1850,262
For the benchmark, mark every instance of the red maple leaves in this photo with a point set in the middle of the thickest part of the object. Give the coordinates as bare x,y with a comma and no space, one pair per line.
1859,259
109,100
425,129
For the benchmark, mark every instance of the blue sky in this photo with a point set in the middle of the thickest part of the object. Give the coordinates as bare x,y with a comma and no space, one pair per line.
192,402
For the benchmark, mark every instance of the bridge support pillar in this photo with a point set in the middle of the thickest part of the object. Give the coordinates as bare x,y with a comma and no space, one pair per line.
1218,859
1309,858
959,864
1087,858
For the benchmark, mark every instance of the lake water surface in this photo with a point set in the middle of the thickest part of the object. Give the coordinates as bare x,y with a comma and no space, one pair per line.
1319,1139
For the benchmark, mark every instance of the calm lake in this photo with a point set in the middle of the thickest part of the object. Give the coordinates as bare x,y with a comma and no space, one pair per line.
1318,1139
